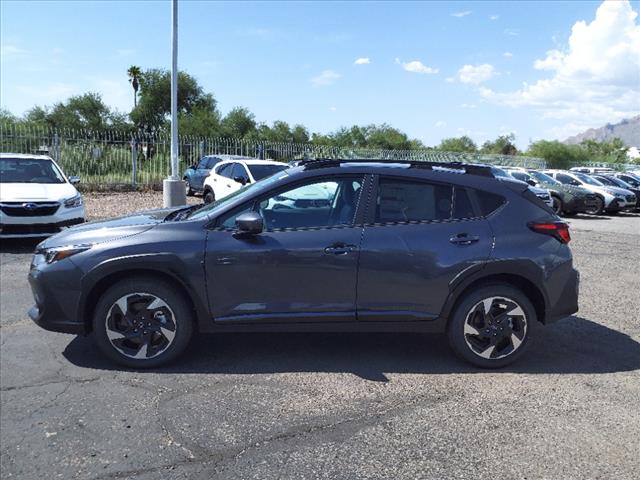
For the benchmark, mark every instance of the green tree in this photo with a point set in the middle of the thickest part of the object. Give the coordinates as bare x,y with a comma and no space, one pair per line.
86,111
201,122
503,145
238,123
154,104
134,73
611,151
557,154
462,144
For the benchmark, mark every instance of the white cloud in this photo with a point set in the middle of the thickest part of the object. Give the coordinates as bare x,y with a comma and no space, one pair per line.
362,61
468,105
8,51
416,66
512,32
461,14
494,17
440,124
594,80
326,77
476,73
333,109
507,54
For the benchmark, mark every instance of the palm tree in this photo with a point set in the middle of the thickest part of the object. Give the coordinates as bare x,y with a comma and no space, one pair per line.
134,79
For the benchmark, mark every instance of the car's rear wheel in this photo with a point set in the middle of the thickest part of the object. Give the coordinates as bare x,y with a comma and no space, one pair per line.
491,326
597,208
209,197
187,186
142,323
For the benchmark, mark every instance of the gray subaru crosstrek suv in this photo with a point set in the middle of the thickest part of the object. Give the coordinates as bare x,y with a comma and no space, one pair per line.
329,245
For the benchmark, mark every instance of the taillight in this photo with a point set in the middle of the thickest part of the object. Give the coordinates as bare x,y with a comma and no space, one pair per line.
559,230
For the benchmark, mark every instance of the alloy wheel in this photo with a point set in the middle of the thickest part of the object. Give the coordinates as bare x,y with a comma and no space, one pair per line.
495,327
140,326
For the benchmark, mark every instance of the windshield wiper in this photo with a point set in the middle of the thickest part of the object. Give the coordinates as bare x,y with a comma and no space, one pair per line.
181,214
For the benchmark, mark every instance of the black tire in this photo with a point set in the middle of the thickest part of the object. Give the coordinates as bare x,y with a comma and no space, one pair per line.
209,197
558,206
469,346
187,186
598,209
166,334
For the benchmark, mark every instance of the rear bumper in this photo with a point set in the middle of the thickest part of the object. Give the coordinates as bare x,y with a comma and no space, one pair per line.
567,303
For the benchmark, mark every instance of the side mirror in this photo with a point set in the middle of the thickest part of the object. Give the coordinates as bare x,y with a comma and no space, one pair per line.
241,180
74,179
532,183
250,223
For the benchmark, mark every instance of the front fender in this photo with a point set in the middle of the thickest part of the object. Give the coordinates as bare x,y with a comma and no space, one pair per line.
167,265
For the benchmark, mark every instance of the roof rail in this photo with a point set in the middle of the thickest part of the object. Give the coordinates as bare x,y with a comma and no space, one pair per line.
469,168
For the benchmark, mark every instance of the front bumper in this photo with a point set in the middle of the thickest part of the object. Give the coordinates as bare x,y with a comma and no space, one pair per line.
56,291
40,226
581,204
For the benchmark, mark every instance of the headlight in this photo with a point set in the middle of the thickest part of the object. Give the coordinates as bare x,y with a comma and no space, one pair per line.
55,254
73,202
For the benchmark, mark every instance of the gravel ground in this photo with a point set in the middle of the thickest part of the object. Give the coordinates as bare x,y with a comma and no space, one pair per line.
106,205
333,406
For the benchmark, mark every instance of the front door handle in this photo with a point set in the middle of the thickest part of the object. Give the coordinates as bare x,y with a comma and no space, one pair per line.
340,249
464,239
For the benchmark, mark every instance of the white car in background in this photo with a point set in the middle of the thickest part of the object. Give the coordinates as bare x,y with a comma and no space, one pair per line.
227,177
36,197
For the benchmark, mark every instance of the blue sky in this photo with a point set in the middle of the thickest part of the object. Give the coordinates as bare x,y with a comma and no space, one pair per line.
432,69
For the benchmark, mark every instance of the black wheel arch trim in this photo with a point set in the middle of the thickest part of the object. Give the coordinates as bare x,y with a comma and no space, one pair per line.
524,269
165,264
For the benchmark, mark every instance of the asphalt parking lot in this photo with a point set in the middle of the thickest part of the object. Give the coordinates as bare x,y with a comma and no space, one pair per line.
335,405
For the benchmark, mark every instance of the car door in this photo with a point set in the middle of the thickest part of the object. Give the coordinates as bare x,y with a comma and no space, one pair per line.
202,172
301,268
422,237
223,181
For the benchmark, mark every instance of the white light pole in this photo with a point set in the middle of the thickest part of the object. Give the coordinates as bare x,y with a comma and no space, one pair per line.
173,190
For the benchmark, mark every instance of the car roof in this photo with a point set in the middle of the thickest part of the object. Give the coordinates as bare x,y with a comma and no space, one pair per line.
252,161
26,156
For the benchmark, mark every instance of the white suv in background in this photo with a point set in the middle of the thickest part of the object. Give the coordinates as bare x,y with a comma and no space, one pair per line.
227,177
36,198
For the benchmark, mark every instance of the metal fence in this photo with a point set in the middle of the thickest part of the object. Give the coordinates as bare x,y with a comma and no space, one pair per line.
111,158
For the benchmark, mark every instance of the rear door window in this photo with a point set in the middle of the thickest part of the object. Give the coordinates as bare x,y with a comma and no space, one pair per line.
489,202
462,206
403,200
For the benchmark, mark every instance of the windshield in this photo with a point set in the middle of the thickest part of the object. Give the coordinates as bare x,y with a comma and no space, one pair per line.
244,192
262,171
588,180
633,181
606,181
29,170
543,177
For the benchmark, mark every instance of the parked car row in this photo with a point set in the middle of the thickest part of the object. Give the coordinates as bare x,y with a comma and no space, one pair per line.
573,191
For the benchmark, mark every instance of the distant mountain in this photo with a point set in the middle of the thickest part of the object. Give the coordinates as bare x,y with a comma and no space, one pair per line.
627,130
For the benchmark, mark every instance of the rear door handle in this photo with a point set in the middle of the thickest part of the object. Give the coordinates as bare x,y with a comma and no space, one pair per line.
340,249
464,239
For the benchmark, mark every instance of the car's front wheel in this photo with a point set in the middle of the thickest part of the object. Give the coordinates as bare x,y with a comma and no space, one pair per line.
597,208
142,323
491,326
557,205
